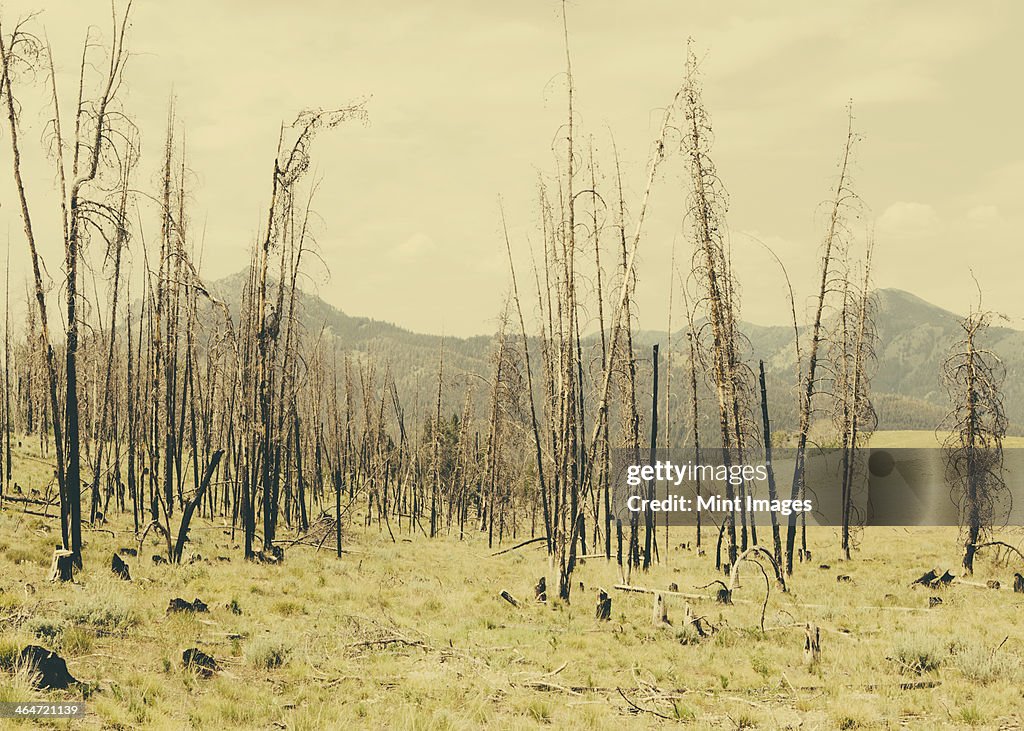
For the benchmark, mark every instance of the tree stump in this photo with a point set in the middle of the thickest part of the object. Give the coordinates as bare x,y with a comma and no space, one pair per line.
62,568
844,579
724,596
659,614
993,584
812,644
926,579
1018,584
51,669
158,559
180,605
540,591
273,554
604,606
120,568
509,598
673,586
198,661
934,601
694,621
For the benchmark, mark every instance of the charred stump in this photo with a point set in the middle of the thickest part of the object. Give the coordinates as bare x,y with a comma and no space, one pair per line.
1018,584
48,668
812,644
604,606
696,622
62,568
540,591
659,613
120,568
178,605
199,662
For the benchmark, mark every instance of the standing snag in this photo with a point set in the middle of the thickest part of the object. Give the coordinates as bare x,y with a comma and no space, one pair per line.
843,198
977,423
659,613
812,644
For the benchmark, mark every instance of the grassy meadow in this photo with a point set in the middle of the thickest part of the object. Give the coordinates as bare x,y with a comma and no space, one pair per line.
413,634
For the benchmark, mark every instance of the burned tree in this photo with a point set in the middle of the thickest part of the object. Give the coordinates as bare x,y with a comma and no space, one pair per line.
977,423
713,275
839,207
852,351
102,149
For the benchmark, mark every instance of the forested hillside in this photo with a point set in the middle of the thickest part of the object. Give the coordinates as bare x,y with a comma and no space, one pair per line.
914,338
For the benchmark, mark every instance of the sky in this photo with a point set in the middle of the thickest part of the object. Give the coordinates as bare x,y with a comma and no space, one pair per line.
466,98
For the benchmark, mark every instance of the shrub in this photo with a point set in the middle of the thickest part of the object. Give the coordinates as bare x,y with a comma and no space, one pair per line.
44,629
103,613
919,653
267,654
76,641
10,651
985,666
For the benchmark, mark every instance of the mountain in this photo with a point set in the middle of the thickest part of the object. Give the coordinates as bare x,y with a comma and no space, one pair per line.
914,338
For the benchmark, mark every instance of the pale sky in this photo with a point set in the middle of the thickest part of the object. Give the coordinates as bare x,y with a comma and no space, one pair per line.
466,97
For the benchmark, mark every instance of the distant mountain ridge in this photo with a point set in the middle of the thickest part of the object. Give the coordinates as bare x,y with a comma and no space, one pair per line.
914,339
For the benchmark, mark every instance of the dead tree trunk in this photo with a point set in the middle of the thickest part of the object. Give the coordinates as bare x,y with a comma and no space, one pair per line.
766,431
190,507
841,198
650,542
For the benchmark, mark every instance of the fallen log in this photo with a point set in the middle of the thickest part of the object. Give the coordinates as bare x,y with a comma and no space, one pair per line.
27,500
520,545
198,661
705,597
180,605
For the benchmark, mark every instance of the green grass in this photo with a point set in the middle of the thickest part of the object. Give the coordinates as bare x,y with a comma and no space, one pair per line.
413,635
